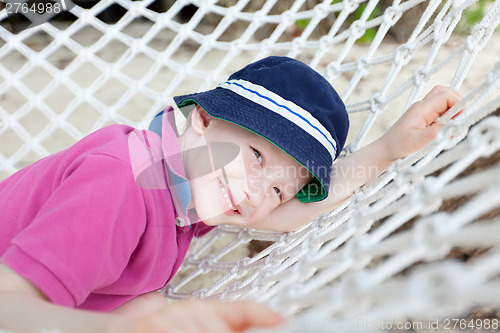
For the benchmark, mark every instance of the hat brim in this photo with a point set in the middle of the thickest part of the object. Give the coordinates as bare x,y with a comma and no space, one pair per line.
286,135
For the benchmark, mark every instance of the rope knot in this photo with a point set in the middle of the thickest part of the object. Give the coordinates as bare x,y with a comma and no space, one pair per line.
333,69
421,76
357,29
430,235
237,46
363,65
321,10
287,17
375,102
439,32
403,54
324,43
297,44
392,15
350,5
258,17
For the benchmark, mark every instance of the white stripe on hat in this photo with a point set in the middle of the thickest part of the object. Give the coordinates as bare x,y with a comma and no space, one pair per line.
286,109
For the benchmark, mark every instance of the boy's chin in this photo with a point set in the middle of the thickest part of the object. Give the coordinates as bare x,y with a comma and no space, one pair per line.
211,222
221,220
211,219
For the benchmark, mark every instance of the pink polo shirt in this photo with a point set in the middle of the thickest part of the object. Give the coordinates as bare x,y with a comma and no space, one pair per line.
80,228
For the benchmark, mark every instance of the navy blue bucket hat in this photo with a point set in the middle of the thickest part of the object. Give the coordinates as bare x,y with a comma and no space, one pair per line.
289,104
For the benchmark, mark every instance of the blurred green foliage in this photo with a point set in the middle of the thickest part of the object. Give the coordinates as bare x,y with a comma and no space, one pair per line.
471,16
356,15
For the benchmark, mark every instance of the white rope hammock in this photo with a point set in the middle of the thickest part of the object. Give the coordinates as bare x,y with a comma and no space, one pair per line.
389,252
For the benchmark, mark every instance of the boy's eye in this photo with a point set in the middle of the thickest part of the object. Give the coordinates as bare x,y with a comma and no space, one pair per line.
278,192
258,155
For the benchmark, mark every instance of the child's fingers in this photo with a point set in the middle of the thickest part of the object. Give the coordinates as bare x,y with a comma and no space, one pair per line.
242,315
437,90
208,322
430,132
418,126
439,100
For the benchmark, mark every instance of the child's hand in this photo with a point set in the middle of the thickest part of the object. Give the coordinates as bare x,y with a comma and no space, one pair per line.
417,127
203,316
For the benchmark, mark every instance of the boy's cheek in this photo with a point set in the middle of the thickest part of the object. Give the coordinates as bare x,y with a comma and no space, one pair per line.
237,167
207,210
205,185
291,189
224,153
253,188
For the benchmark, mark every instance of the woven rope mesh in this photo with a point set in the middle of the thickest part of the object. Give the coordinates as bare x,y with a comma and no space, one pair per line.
422,241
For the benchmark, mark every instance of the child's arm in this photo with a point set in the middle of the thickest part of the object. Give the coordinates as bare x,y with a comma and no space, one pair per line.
24,309
415,129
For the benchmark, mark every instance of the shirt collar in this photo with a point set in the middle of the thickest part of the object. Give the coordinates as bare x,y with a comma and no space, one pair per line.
163,124
156,163
178,183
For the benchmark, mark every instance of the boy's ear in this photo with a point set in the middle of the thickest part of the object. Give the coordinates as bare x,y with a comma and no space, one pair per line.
200,119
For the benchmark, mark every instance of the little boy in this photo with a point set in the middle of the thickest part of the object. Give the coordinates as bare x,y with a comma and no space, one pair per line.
111,218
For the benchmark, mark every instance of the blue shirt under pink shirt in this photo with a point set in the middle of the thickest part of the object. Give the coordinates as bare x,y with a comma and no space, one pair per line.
93,226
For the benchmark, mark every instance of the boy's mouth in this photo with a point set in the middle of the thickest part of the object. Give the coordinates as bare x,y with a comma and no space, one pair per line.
228,200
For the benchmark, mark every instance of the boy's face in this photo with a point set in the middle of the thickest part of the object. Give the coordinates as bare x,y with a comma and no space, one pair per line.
252,176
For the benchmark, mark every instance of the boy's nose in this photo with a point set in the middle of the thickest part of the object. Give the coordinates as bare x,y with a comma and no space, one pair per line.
259,188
